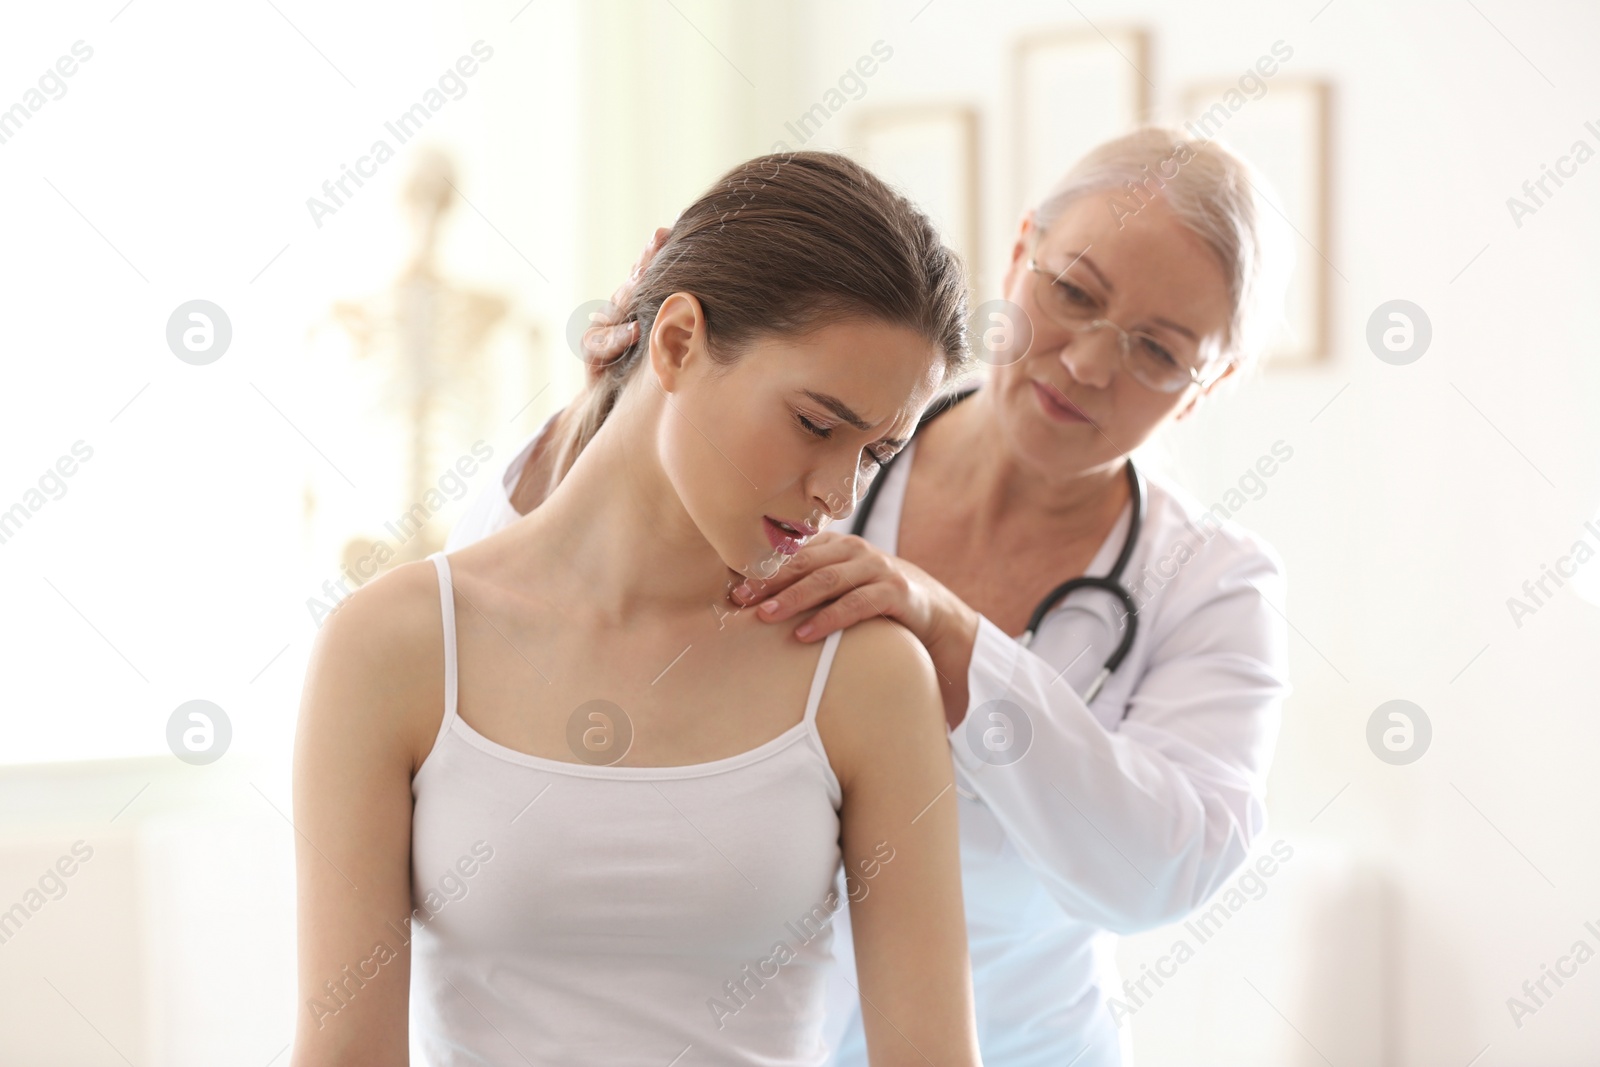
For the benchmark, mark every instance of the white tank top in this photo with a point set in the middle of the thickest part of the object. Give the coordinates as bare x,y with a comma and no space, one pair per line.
651,916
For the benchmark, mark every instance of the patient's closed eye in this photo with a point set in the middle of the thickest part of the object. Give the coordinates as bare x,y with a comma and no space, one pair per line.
871,457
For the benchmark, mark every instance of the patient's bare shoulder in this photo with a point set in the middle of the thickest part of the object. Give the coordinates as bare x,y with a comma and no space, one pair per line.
376,676
882,698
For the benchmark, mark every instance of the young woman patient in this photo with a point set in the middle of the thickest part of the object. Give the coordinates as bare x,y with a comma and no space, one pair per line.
557,801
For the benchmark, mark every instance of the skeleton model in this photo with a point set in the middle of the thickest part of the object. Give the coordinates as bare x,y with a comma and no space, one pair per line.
427,338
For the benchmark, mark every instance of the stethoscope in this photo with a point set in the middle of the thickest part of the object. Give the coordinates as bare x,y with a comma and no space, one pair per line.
1111,582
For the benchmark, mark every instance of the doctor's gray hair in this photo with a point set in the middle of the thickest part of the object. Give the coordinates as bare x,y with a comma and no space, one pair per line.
1215,194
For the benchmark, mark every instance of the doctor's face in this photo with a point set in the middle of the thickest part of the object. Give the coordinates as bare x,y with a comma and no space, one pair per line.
1073,399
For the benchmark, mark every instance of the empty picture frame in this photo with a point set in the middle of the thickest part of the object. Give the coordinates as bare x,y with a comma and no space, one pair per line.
1073,90
1282,130
929,152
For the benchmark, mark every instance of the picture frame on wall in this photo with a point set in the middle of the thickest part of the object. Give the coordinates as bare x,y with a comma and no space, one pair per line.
1283,132
1074,89
929,152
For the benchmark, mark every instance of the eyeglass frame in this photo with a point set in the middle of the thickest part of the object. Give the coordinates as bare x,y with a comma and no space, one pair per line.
1123,347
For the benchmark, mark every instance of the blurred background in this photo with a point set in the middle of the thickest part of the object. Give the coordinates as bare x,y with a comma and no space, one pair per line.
285,285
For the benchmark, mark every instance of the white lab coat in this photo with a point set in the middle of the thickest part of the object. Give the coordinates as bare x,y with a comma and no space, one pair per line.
1108,824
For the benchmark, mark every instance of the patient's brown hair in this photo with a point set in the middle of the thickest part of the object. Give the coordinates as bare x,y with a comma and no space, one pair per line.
786,244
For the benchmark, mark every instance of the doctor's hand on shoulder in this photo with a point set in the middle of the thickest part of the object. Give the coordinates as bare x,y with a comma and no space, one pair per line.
857,580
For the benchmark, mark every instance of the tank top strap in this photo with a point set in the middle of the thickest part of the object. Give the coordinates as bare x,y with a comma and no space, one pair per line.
819,680
447,609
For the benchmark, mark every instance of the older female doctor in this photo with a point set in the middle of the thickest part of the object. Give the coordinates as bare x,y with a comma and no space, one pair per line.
1091,804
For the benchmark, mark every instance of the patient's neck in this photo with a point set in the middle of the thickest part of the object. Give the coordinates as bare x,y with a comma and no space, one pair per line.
624,541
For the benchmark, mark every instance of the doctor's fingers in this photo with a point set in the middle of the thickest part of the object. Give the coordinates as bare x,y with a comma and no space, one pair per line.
864,601
848,591
826,549
603,344
609,338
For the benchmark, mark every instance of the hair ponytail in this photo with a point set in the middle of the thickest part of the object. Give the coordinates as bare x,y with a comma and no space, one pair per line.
577,424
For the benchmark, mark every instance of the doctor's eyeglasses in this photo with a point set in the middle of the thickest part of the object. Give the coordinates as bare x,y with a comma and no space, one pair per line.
1163,364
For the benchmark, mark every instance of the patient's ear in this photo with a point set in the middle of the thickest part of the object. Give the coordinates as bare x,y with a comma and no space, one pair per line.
677,340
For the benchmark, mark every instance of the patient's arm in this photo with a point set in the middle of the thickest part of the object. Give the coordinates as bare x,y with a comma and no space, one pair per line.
882,721
373,699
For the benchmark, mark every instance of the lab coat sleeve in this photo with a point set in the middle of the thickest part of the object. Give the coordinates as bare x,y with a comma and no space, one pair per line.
1132,828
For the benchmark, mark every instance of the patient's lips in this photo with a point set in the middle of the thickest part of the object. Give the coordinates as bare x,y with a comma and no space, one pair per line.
787,537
